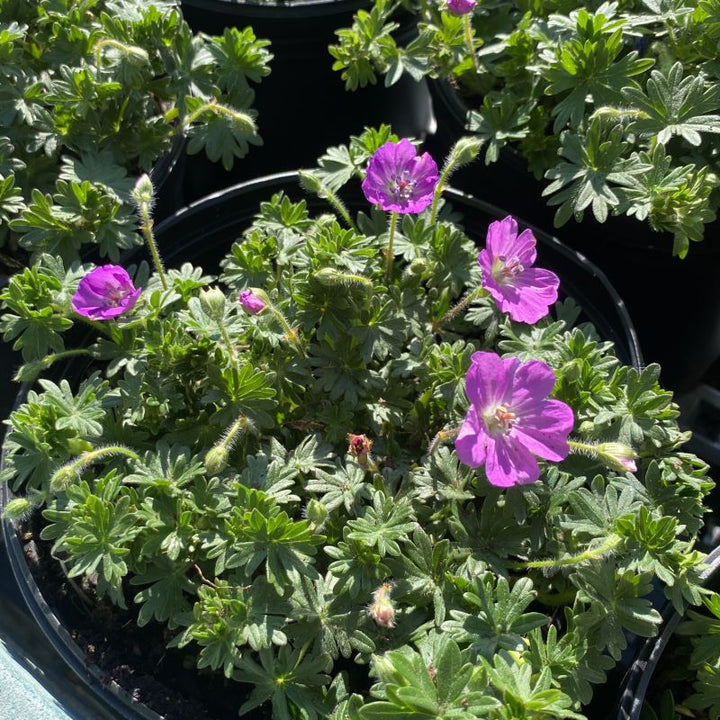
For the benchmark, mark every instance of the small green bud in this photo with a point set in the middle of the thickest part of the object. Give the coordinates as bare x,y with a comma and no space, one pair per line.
76,446
143,192
212,301
464,151
30,370
216,459
316,512
63,476
17,508
330,277
310,181
418,266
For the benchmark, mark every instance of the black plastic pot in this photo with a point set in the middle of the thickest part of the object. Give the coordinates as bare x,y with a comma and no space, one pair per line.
303,107
202,233
675,304
639,677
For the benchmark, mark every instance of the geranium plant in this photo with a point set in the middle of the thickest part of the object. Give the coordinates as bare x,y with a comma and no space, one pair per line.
615,104
95,92
372,469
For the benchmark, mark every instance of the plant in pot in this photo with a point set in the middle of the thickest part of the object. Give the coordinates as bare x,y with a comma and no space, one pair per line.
371,468
678,673
96,92
303,87
602,109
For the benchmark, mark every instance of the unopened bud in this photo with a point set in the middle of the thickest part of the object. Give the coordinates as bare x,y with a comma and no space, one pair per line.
212,301
359,446
465,150
316,512
418,266
310,181
143,192
381,609
618,456
63,476
76,446
330,277
216,459
252,302
17,508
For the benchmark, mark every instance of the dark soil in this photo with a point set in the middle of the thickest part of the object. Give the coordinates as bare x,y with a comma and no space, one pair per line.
137,659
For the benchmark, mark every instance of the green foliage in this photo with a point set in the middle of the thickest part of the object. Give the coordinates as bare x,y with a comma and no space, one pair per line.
625,93
94,92
280,490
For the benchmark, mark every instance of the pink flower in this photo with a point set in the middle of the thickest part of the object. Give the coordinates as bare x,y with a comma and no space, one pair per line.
105,293
510,420
251,302
460,7
523,291
399,179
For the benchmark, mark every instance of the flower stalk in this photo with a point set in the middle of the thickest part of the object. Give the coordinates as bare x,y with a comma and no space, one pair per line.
65,474
391,237
131,51
469,42
312,183
454,311
216,459
589,554
244,122
143,194
464,151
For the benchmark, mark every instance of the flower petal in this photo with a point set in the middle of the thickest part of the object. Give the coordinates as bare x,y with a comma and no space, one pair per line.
489,379
471,440
509,463
544,430
501,237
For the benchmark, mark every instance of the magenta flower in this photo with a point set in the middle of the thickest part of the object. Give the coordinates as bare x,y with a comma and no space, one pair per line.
510,420
460,7
251,302
399,179
105,293
523,291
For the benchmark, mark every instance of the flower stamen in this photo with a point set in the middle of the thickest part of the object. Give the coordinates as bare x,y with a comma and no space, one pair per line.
499,420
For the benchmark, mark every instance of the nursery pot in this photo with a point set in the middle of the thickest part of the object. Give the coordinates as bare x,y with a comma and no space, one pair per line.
302,105
674,303
639,676
202,233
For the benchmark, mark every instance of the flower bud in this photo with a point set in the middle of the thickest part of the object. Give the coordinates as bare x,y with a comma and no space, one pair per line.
381,609
216,459
316,512
310,181
17,508
76,446
618,456
330,277
418,266
252,302
359,446
63,476
465,150
460,7
143,192
212,301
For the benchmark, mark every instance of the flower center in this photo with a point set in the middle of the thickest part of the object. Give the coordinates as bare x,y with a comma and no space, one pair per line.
402,186
499,419
505,268
115,294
